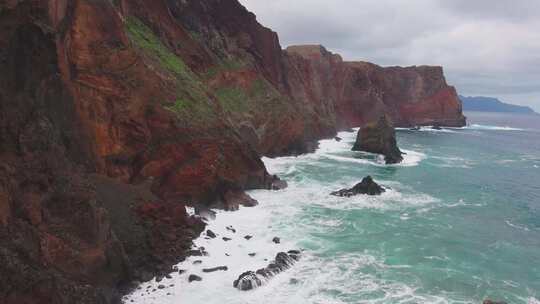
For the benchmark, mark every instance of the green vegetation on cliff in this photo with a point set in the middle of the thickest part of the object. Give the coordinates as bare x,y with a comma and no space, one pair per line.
227,65
143,37
233,99
192,100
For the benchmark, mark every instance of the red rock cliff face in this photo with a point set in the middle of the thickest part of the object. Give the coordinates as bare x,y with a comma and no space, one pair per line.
107,130
355,93
114,115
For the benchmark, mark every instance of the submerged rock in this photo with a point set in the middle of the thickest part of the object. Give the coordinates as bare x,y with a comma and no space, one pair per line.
251,280
367,186
277,183
494,302
380,138
247,281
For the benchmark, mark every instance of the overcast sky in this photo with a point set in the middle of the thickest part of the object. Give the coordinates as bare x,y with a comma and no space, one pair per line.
487,47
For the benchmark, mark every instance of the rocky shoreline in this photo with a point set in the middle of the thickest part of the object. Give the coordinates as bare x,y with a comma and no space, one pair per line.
224,253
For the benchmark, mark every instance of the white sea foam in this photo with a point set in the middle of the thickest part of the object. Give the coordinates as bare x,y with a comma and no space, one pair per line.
190,211
430,129
520,227
277,215
492,128
462,203
533,301
451,162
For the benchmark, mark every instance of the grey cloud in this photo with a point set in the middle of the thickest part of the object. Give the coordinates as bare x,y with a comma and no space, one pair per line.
514,10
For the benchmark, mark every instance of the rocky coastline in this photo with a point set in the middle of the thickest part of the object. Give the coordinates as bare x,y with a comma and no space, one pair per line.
116,115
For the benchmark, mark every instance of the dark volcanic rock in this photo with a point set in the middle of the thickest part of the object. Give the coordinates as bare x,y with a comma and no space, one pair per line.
251,280
232,199
277,183
296,252
367,186
247,281
248,237
219,268
197,252
380,138
276,240
226,239
210,233
193,277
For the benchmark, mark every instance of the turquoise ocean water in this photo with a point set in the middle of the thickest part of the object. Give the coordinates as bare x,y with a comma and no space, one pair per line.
459,223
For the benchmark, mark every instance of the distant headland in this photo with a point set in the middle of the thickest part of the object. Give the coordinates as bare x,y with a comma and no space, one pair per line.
490,104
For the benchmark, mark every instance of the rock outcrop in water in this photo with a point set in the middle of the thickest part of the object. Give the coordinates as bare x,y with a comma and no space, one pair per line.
252,279
367,186
115,115
380,138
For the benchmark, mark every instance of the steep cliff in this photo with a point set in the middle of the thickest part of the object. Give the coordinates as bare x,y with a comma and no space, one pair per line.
106,134
355,93
115,115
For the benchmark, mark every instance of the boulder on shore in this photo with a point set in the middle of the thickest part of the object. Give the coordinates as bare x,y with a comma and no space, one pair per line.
252,279
213,269
380,138
367,186
194,277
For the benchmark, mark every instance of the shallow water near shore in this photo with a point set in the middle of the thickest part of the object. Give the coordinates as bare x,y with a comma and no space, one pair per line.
460,222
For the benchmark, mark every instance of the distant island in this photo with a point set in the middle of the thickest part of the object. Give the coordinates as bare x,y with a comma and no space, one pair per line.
489,104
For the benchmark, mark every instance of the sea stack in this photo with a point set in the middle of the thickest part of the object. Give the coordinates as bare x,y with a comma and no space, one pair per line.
379,137
367,186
